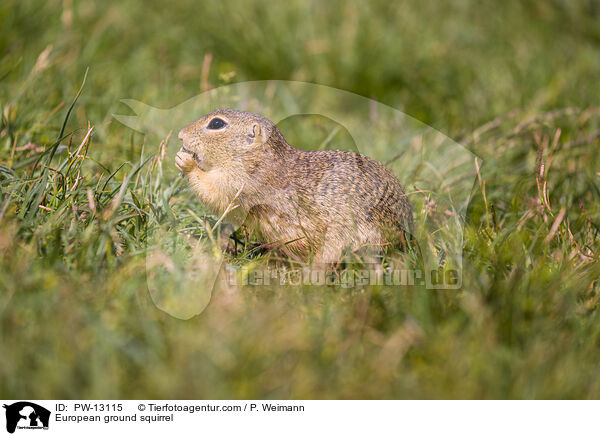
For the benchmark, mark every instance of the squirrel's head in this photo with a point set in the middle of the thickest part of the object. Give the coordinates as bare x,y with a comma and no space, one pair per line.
227,138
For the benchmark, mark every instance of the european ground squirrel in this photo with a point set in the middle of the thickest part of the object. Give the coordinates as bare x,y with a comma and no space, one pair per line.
314,204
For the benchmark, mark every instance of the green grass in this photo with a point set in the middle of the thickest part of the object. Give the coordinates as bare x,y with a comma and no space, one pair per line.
515,82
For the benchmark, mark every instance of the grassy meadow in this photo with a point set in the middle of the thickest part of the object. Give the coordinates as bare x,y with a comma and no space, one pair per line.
82,197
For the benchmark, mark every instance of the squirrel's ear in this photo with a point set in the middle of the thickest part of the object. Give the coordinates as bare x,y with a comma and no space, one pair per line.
255,136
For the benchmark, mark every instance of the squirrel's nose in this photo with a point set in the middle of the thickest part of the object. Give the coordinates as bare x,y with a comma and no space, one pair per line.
181,134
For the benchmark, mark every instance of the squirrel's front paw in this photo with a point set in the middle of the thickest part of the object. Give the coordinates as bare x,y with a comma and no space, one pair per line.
184,161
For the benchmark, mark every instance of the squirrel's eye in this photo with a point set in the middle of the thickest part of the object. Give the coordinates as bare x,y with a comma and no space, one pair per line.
216,123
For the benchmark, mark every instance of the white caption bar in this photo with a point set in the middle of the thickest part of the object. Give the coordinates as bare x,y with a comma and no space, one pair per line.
23,417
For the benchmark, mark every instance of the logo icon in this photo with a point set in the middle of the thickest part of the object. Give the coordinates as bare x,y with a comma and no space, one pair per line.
26,415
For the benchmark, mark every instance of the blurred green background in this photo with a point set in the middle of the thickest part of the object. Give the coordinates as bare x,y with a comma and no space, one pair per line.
515,82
